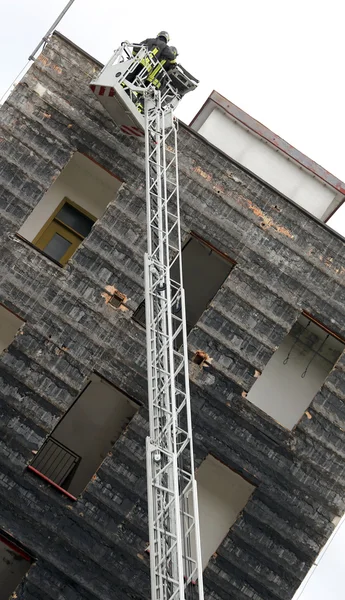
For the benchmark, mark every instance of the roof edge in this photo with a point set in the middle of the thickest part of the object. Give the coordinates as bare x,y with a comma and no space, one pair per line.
317,220
68,41
217,100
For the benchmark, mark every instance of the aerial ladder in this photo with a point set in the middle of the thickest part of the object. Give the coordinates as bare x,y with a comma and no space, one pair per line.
145,109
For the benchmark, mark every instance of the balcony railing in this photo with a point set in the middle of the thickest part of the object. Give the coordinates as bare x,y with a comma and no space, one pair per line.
56,463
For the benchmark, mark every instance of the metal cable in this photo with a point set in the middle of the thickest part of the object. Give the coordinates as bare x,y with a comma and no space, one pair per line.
32,55
285,361
316,352
12,85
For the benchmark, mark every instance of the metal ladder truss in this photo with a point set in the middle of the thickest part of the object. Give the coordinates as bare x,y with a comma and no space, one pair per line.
172,494
175,553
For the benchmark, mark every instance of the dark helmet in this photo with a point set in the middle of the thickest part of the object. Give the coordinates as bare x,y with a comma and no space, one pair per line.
165,35
174,50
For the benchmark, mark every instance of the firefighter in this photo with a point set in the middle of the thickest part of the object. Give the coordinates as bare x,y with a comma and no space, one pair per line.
156,46
170,62
161,52
156,75
167,61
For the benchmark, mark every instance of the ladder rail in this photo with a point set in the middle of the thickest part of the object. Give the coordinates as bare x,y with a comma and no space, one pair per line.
170,462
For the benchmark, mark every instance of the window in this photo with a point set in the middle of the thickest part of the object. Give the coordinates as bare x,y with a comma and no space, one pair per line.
296,371
82,439
65,230
14,564
222,495
9,327
204,271
67,211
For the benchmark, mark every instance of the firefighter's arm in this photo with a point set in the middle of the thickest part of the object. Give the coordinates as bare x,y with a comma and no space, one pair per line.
136,47
167,54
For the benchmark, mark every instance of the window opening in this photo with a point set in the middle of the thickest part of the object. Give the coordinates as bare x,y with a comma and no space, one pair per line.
10,324
296,371
64,232
14,564
204,271
67,211
222,495
82,439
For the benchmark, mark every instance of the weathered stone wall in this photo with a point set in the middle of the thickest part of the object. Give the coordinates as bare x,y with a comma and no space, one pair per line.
286,262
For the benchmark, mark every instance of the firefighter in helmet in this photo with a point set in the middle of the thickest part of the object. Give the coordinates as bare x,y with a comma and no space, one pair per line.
156,46
167,61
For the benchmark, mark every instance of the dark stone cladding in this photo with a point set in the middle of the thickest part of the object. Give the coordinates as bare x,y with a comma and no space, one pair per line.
286,262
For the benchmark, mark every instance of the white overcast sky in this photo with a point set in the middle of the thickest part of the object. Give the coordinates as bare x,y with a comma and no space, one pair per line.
280,61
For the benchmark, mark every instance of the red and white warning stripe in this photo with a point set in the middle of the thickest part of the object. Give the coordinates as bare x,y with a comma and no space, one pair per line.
102,90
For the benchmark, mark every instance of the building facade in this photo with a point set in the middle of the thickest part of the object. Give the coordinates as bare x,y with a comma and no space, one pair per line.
265,307
271,158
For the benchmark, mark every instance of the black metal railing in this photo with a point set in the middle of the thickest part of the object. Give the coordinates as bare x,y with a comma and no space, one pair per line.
56,462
